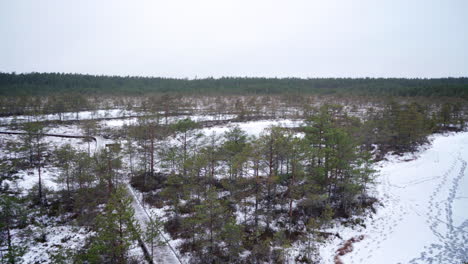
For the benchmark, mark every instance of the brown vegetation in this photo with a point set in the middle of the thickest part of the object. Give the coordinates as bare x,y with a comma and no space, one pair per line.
346,248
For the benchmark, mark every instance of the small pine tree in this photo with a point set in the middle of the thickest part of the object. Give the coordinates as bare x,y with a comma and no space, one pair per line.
116,230
11,213
152,236
231,235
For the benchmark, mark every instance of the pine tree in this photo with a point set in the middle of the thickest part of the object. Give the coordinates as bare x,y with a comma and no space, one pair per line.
231,235
235,141
64,157
271,142
12,216
187,138
206,224
335,157
152,235
90,128
35,146
116,230
108,162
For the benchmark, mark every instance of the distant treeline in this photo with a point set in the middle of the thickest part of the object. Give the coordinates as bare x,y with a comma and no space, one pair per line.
54,83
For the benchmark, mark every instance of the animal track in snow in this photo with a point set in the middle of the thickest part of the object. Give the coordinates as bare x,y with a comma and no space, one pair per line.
452,247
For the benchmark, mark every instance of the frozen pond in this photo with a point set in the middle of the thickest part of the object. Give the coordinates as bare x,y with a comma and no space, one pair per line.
424,217
252,128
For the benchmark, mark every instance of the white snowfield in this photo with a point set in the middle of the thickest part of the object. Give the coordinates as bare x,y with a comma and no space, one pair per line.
424,212
252,128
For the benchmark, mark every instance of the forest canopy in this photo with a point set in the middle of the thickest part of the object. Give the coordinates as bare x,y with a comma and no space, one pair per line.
43,84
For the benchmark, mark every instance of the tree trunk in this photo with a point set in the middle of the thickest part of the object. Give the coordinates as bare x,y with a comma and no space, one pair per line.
40,183
291,189
270,178
152,155
185,153
8,237
256,195
109,177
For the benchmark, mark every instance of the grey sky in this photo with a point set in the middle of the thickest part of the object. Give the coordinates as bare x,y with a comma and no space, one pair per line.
174,38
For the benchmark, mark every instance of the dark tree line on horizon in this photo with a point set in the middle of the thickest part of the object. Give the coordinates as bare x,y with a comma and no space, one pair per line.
43,84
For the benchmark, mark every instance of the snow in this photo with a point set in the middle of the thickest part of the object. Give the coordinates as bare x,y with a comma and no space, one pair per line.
81,115
58,238
164,253
117,123
424,196
52,141
30,177
253,128
423,217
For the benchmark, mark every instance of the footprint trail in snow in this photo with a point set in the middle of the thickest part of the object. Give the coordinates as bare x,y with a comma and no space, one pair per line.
423,217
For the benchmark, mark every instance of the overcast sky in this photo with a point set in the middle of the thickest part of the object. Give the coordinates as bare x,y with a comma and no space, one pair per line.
174,38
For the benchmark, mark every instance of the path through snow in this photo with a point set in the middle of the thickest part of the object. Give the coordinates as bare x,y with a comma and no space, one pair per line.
162,254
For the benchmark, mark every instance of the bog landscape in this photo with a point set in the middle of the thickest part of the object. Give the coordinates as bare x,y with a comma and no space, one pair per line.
134,173
239,132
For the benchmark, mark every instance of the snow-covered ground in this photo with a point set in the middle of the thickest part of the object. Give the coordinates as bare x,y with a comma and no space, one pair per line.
253,128
163,253
116,123
113,118
82,115
56,240
423,217
424,212
29,177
